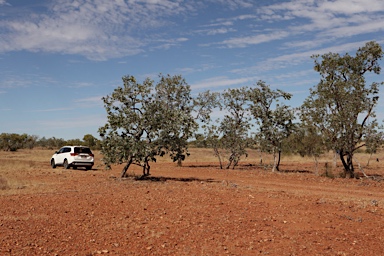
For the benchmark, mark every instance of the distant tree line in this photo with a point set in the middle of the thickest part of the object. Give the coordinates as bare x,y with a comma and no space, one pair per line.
14,141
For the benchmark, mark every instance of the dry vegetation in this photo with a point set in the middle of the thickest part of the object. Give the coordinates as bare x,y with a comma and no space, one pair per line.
196,209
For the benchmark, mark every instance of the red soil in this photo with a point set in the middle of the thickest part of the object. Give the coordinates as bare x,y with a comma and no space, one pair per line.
192,210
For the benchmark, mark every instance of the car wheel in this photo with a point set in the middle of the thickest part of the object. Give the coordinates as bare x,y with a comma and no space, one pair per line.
88,168
53,164
74,167
66,165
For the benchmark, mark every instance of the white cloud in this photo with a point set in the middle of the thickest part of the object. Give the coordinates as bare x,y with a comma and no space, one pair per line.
256,39
9,80
215,31
220,31
321,21
222,82
15,82
168,43
96,29
290,60
335,15
96,99
370,26
352,6
235,4
100,30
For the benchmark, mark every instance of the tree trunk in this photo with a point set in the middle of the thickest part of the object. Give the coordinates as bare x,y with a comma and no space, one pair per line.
335,160
125,169
278,161
274,161
148,168
230,160
369,159
315,157
235,163
217,153
349,171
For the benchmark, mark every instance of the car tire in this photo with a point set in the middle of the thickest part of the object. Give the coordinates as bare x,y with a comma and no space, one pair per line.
53,165
88,168
66,165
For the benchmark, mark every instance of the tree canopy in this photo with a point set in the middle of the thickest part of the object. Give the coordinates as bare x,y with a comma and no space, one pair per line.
274,119
341,106
147,120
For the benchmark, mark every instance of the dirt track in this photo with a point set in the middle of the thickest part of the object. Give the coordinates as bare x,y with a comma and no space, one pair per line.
191,211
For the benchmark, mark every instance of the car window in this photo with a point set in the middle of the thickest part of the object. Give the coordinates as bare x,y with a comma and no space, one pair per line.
67,150
83,150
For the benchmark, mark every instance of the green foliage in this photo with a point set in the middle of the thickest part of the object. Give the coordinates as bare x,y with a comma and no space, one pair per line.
228,136
90,141
198,142
235,124
341,106
76,142
204,105
373,139
176,105
52,143
305,141
13,141
274,119
147,120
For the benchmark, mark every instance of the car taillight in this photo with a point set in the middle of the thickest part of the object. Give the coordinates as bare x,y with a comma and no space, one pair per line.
74,154
91,155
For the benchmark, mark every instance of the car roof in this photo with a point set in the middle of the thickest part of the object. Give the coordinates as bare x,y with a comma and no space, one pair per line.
75,146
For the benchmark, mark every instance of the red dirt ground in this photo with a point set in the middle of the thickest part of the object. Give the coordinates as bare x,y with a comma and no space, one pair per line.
192,210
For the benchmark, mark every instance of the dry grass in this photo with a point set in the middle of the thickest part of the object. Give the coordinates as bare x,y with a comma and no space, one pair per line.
28,168
326,162
3,184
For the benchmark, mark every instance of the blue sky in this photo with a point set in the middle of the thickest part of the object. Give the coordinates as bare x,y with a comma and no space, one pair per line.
59,57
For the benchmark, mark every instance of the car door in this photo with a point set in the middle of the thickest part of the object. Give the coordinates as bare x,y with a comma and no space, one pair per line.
60,156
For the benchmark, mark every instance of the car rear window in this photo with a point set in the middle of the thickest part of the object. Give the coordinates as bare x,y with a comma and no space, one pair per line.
82,150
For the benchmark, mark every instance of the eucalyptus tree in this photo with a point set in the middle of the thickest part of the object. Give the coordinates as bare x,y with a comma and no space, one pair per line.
236,124
274,119
227,136
342,104
205,103
147,120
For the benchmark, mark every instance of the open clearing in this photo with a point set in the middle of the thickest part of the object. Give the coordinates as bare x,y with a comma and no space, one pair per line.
196,209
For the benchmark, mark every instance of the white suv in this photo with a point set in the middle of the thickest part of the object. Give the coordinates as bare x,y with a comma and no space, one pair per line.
73,156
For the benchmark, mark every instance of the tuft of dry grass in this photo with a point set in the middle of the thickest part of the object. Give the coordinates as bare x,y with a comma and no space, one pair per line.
3,184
